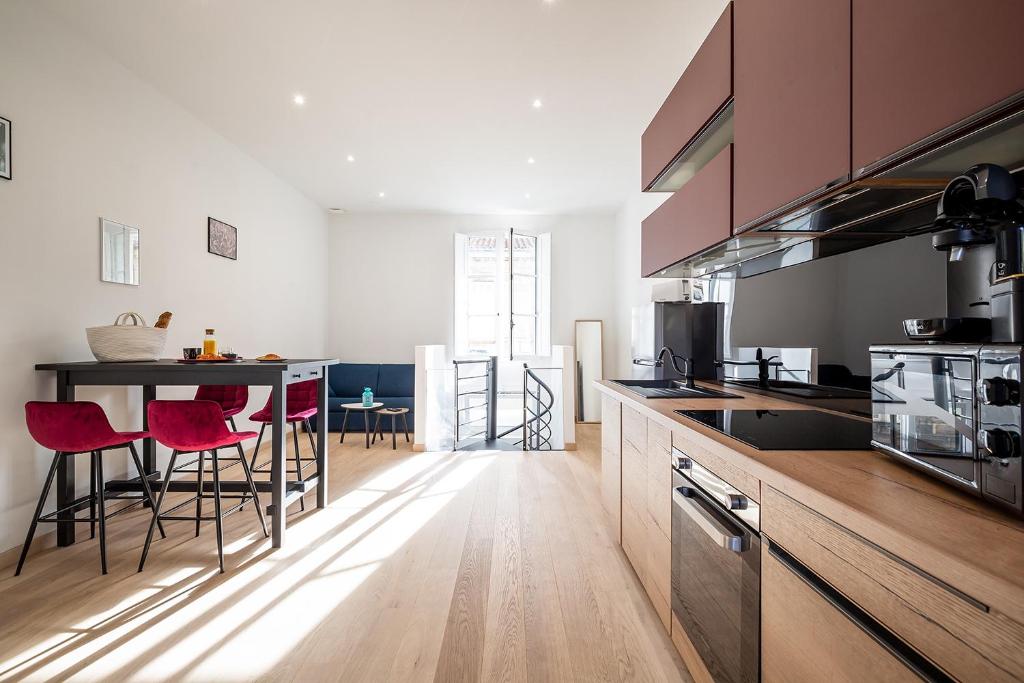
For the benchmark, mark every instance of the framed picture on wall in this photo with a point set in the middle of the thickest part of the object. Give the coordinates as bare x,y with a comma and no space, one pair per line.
5,148
222,239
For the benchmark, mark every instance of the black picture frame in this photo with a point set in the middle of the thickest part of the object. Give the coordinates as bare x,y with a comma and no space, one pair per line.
221,239
6,148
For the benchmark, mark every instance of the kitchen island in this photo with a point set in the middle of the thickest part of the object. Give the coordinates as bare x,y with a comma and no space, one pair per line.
936,572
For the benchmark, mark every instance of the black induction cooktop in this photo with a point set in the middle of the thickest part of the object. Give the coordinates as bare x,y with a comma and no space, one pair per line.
787,430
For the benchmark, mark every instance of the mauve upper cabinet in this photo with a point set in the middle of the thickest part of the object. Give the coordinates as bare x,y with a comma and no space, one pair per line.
701,92
922,66
791,124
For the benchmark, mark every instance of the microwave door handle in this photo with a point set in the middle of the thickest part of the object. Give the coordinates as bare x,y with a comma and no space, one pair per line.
708,524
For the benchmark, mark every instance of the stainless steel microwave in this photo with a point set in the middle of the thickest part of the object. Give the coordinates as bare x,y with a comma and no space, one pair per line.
954,412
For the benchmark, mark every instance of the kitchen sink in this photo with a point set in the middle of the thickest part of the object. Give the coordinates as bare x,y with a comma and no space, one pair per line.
669,388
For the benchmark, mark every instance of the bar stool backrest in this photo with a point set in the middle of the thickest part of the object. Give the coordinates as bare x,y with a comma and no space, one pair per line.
232,398
187,426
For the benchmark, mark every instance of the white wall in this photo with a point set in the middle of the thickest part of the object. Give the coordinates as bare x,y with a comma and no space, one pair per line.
630,289
91,140
391,277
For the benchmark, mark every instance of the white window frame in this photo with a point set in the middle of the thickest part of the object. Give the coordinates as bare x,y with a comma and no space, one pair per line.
503,291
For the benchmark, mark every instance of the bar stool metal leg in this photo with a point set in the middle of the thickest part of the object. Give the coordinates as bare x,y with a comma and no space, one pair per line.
298,464
39,511
252,489
92,497
199,488
102,508
255,451
231,420
145,486
216,507
156,511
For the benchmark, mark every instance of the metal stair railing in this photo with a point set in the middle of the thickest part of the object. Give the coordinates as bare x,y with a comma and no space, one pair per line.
489,395
538,400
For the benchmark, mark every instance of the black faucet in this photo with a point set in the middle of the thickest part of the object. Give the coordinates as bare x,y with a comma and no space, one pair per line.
686,371
763,365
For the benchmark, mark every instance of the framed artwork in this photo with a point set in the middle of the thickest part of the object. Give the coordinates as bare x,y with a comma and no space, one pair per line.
222,239
5,148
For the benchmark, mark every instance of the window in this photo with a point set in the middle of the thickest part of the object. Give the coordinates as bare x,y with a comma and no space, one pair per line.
502,294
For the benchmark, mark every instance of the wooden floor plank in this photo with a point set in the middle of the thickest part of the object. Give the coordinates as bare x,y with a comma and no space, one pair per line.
459,566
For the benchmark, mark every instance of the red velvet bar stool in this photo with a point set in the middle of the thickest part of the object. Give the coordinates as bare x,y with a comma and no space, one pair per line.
68,429
300,406
197,427
231,398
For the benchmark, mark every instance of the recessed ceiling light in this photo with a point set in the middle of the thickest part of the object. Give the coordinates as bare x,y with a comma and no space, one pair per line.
381,195
350,158
299,99
531,160
537,104
527,195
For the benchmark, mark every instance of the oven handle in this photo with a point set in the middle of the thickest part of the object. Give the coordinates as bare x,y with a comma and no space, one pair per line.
703,518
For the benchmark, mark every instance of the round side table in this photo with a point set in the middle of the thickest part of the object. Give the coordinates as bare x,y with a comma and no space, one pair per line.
394,413
365,410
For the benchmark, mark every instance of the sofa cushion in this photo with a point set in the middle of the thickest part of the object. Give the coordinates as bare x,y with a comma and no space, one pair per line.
348,379
397,380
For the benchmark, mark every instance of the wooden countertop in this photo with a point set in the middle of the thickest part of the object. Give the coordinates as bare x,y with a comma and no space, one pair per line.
954,537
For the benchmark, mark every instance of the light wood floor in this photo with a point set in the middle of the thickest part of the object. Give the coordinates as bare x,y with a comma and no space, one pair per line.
472,566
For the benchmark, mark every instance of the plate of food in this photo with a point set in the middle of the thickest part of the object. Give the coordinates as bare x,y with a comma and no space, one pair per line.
208,358
270,358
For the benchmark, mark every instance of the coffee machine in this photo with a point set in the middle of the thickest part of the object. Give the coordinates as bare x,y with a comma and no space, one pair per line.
953,407
981,216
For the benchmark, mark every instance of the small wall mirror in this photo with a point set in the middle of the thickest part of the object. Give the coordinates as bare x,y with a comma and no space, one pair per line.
119,247
589,367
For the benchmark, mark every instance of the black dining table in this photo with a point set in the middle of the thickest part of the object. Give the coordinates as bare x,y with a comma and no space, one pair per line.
151,374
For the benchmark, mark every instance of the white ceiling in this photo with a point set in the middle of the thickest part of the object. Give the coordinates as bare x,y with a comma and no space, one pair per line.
432,97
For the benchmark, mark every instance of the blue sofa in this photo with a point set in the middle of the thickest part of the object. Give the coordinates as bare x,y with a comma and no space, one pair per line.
392,385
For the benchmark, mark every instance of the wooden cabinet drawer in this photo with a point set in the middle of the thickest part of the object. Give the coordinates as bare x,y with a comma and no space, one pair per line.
611,423
969,640
696,217
658,571
703,89
659,476
806,638
611,463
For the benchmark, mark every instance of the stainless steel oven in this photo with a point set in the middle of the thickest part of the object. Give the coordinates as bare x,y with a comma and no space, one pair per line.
716,570
952,411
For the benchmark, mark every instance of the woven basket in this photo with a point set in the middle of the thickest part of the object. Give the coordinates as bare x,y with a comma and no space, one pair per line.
128,339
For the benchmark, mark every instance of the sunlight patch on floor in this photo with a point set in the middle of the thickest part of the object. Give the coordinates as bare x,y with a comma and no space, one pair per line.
192,623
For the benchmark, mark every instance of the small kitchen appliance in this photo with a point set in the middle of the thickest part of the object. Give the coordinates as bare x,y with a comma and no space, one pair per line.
981,217
954,412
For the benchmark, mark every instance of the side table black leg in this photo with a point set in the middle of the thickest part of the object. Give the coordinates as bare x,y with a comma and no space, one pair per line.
344,425
405,423
366,426
394,439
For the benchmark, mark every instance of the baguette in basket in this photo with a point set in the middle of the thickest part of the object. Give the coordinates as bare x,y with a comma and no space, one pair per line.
128,339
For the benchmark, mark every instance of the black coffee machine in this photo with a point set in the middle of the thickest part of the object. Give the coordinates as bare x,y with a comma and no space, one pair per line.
981,215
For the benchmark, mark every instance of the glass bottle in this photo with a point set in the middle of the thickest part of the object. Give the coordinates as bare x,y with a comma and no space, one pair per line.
210,343
367,397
